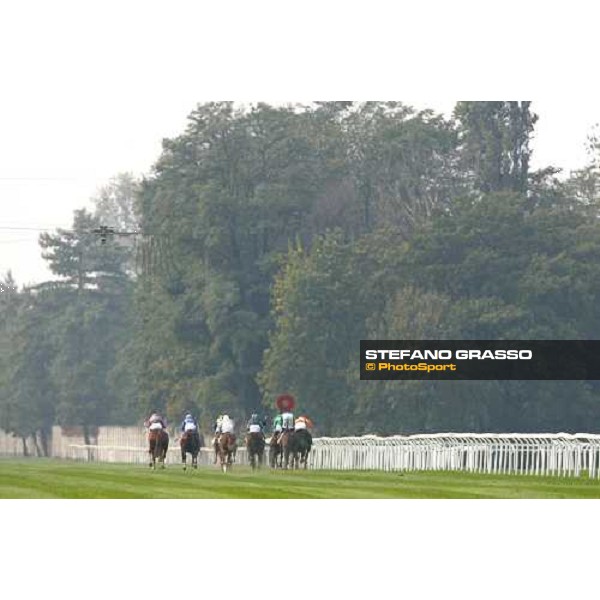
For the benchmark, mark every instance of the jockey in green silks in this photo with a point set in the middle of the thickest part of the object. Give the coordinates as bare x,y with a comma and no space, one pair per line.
277,428
278,423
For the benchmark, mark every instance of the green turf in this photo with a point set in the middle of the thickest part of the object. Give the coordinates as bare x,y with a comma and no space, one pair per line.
47,478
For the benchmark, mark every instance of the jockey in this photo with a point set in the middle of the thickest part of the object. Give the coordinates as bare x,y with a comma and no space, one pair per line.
284,421
189,424
255,425
277,429
300,423
303,423
287,421
218,423
156,421
278,424
223,425
227,424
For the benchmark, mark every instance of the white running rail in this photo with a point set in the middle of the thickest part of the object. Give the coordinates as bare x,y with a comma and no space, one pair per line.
559,454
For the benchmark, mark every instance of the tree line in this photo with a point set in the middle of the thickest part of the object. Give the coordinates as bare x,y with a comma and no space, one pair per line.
268,240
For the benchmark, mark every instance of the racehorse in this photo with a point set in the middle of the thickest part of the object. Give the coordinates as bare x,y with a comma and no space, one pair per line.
285,448
300,445
226,446
275,454
191,442
158,440
255,445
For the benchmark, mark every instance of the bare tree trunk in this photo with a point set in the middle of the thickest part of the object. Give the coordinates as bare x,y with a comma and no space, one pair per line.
38,450
24,441
44,441
87,440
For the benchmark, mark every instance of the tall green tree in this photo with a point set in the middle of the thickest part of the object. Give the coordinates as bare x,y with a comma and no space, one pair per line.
495,140
404,163
116,203
93,324
27,392
228,195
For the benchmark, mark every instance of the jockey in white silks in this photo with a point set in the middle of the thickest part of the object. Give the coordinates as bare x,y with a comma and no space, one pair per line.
218,425
287,421
222,425
227,425
284,422
156,421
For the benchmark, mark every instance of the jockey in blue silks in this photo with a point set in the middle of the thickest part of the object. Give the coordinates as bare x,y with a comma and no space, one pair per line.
189,424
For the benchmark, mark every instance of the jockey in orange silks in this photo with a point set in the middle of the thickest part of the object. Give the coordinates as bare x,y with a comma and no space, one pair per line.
302,422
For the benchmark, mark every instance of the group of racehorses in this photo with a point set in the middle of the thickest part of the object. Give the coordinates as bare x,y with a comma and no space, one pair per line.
290,445
190,442
284,448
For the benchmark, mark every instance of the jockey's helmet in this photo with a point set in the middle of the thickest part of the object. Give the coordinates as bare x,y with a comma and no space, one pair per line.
189,416
254,416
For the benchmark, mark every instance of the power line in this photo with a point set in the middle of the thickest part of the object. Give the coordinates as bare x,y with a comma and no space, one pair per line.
9,228
102,229
17,241
40,179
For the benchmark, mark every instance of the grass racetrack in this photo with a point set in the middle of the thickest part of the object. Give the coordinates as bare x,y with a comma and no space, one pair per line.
48,478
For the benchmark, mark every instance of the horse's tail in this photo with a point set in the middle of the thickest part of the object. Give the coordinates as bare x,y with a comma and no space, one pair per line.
307,438
231,442
190,441
164,441
196,442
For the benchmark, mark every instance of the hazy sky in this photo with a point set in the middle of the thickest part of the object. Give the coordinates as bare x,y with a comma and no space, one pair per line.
90,89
